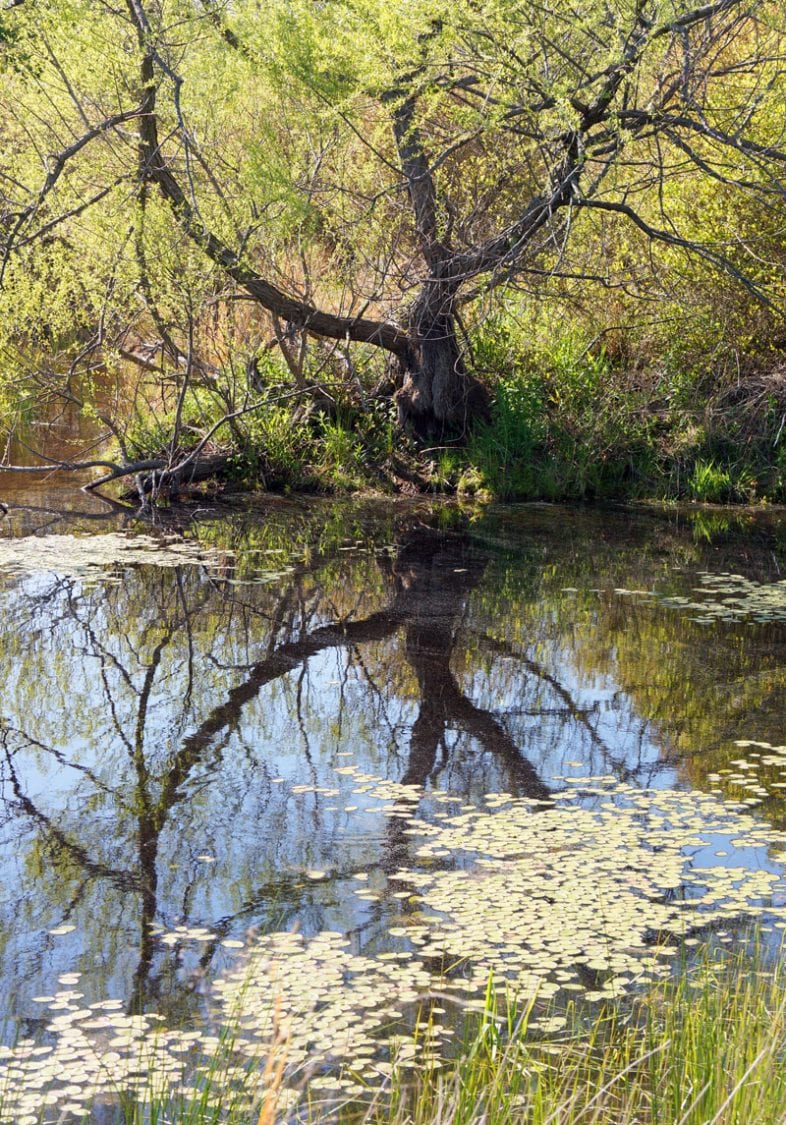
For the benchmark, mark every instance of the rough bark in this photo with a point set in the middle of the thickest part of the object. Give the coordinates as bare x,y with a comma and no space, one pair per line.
438,398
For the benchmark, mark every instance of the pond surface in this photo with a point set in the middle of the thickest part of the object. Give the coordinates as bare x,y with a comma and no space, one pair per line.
408,741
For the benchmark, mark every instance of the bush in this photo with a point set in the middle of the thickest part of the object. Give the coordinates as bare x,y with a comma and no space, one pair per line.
564,422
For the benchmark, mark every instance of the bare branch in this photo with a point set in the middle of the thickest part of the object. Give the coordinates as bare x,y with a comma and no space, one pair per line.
300,313
57,165
698,15
657,234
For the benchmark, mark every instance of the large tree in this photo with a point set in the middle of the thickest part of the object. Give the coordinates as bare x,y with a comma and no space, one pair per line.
364,172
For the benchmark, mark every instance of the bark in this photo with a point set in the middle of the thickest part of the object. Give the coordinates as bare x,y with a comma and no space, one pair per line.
438,398
181,476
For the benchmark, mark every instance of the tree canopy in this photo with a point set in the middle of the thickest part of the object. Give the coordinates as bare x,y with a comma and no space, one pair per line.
349,177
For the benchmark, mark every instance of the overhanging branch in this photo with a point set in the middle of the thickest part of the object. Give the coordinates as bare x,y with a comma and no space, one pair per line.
657,234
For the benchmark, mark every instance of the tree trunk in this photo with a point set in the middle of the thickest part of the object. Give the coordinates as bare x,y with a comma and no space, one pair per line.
438,399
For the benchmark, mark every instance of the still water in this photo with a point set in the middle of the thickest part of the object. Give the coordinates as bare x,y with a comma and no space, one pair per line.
312,718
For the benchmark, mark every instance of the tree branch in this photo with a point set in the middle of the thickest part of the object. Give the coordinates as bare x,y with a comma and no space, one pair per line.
300,313
58,163
657,234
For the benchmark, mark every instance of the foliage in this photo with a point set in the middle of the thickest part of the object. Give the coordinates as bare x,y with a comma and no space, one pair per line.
234,201
710,483
563,422
280,446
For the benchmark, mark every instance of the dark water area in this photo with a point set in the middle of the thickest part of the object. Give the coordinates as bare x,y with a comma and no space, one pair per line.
196,753
65,434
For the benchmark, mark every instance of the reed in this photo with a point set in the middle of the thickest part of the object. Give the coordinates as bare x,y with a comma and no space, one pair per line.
705,1048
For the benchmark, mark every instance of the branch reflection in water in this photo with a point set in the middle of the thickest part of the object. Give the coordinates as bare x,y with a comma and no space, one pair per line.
184,748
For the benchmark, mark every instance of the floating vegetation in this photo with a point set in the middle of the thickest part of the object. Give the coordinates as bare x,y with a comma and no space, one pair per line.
332,1005
87,556
93,1053
316,1001
597,894
732,597
591,893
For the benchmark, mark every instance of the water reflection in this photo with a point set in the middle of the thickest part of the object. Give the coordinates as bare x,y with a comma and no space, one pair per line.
191,746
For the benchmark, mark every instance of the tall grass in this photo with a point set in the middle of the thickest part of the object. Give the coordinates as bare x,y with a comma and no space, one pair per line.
707,1048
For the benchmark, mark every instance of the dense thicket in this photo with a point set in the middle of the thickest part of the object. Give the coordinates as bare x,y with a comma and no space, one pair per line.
253,225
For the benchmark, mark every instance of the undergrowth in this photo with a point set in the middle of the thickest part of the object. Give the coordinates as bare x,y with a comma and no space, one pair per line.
571,420
573,417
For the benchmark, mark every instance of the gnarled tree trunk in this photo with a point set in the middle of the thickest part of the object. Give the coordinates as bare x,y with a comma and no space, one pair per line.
438,399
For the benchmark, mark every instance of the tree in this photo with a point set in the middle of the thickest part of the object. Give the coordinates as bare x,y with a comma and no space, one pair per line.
367,176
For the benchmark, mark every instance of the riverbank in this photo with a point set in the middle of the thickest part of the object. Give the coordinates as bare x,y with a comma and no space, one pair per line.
707,1047
573,416
568,420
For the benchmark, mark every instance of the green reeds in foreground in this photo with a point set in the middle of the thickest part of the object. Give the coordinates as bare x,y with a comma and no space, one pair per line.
707,1047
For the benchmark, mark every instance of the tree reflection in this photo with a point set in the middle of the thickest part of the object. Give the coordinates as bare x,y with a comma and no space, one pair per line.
169,714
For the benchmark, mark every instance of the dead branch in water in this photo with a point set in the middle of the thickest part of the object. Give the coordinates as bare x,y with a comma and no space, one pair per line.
153,473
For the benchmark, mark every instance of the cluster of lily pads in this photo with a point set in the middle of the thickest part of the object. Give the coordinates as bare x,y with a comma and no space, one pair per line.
89,1054
92,557
590,893
732,597
752,774
584,896
718,597
88,556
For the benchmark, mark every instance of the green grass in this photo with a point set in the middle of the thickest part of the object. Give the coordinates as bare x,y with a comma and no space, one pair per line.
710,484
707,1047
568,420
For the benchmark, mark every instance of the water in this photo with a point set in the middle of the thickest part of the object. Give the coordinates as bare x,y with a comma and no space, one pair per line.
195,755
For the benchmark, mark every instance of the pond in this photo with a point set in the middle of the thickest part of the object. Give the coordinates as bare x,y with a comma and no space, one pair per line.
341,760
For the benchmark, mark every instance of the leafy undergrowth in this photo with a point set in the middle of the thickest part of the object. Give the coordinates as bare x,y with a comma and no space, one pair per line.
569,420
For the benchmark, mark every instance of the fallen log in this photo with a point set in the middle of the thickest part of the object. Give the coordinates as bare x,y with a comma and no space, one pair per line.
171,480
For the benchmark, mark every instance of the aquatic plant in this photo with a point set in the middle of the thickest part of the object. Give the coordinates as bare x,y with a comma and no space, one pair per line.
704,1047
590,895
